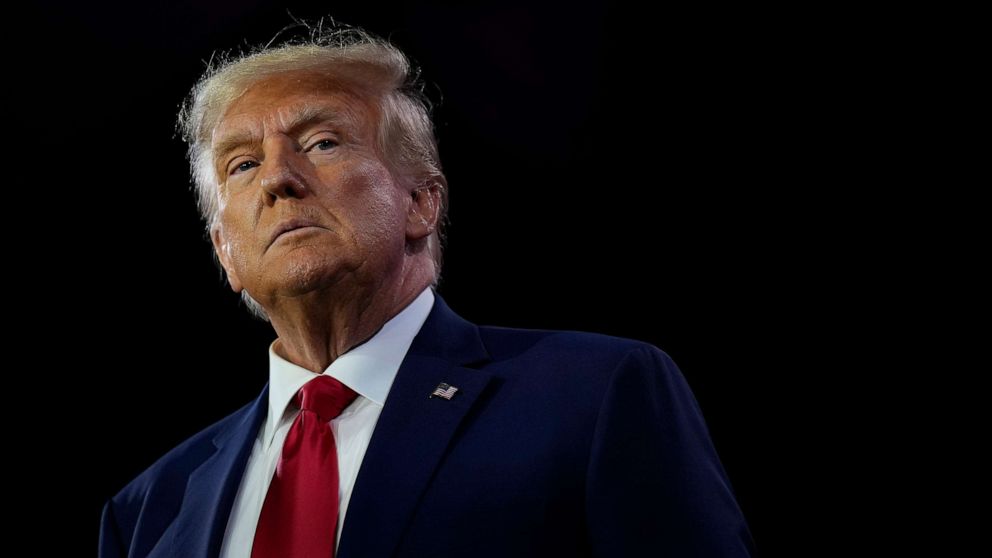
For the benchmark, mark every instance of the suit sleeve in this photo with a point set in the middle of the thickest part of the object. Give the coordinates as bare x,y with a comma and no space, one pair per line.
110,537
655,485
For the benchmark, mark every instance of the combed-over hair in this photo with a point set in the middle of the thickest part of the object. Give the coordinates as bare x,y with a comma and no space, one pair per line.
362,63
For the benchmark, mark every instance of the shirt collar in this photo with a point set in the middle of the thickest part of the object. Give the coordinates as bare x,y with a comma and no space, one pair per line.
369,368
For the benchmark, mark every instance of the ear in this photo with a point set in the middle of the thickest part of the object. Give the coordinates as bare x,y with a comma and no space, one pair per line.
223,250
424,212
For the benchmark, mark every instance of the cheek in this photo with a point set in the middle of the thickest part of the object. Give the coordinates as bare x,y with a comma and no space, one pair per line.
237,239
375,204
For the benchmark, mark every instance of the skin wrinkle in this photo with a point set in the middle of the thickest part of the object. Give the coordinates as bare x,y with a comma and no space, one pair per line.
403,135
328,290
225,149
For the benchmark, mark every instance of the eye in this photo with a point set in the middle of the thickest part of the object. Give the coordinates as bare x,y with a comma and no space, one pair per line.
324,144
243,166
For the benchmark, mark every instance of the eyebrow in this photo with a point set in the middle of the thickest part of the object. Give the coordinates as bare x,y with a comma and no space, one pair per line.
309,114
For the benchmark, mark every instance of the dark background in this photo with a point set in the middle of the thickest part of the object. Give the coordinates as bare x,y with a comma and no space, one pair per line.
676,176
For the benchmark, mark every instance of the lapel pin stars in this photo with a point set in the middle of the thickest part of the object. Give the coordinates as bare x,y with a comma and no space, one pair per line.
444,390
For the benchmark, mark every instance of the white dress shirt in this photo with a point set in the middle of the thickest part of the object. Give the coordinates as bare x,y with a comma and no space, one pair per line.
368,369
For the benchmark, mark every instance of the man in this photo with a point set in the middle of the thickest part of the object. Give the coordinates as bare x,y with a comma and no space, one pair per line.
320,185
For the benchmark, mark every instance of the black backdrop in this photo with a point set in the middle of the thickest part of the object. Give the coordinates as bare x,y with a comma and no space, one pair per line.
612,169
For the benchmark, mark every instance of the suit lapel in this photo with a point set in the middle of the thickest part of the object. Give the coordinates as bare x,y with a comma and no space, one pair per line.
210,491
413,432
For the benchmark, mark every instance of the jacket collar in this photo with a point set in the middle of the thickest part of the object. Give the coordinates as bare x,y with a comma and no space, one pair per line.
407,445
413,431
211,487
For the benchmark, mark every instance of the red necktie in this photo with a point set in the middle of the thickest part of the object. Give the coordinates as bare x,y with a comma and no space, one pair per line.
300,513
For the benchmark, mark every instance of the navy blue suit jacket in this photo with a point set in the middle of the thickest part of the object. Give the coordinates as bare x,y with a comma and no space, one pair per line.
558,443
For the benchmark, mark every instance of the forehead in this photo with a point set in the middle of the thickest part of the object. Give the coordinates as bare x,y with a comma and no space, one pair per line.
276,102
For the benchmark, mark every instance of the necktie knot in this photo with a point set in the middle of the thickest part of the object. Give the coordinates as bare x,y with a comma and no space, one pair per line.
325,396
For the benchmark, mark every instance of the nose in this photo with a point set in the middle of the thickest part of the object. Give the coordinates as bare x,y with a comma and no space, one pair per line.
280,170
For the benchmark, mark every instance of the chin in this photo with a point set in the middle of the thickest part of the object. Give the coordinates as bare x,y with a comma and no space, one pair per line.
301,275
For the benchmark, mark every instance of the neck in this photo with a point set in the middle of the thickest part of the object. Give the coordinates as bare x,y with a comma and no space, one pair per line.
316,328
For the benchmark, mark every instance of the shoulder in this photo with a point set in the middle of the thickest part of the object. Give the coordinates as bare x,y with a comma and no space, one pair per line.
589,354
151,500
168,474
566,343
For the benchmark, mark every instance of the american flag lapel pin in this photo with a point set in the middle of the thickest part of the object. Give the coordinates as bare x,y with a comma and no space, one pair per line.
444,390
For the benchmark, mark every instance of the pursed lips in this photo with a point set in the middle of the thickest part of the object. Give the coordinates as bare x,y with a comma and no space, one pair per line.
291,225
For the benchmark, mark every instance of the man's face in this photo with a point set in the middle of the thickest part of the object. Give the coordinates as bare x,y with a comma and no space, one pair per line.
321,177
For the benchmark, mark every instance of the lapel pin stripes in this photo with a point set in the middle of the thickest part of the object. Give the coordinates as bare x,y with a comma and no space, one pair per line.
444,390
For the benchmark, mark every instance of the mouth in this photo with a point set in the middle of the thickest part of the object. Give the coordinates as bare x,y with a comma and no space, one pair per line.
292,226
